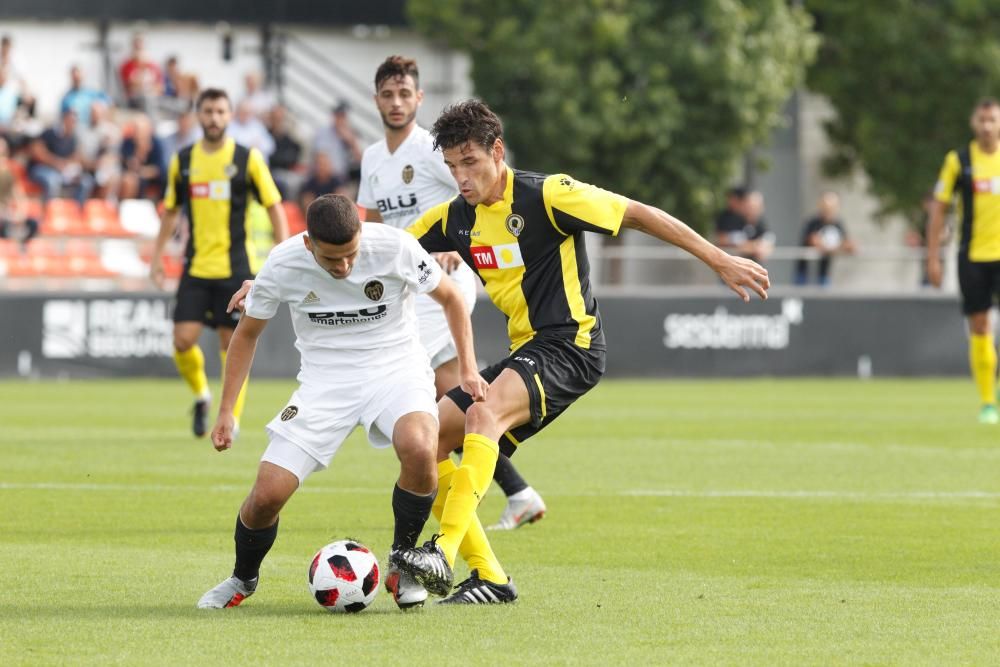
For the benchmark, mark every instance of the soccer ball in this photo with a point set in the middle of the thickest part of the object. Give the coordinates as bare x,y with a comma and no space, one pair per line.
343,576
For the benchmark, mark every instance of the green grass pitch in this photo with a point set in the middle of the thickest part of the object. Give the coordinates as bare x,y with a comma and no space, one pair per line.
733,522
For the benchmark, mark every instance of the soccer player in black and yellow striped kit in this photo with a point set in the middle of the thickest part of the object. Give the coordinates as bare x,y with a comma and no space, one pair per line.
522,233
213,181
973,173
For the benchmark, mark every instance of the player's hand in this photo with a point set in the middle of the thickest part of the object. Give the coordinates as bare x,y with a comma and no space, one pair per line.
475,386
239,300
739,274
156,272
934,271
222,433
449,261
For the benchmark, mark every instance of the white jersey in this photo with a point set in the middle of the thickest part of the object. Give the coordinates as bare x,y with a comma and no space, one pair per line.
362,321
404,184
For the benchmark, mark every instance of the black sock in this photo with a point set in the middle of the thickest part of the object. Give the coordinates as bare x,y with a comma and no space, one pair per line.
251,547
411,512
508,477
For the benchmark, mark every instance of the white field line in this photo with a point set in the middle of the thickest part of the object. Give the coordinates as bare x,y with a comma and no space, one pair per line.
871,496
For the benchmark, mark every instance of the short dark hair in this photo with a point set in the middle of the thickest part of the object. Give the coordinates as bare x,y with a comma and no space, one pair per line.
468,121
212,94
397,66
332,219
987,102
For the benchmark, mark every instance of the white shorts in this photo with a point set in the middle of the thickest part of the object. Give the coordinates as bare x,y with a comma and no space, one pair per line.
322,413
435,335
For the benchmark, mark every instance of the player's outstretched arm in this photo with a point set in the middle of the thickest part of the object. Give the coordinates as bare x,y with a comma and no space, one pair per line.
238,361
239,300
737,273
279,223
168,223
450,297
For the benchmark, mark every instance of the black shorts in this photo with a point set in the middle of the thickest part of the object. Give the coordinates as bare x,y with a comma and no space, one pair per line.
204,300
556,373
980,284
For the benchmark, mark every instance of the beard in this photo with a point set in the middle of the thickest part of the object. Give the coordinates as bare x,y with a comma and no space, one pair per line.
407,119
213,133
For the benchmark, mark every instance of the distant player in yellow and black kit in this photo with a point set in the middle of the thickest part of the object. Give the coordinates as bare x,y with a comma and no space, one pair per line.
973,173
522,233
213,181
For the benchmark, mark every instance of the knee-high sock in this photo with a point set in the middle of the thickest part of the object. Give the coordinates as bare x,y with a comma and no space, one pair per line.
410,512
251,547
983,361
242,397
468,486
191,366
475,549
507,476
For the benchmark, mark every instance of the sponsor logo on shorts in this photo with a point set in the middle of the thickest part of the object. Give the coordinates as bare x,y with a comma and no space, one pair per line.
374,290
289,413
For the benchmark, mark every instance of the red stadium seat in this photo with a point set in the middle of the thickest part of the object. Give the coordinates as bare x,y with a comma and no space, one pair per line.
9,248
296,221
63,217
102,218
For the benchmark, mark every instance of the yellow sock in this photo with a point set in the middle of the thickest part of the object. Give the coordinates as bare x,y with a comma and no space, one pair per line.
191,366
241,398
475,549
468,486
983,361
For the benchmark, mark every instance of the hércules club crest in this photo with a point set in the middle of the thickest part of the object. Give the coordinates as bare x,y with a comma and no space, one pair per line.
374,290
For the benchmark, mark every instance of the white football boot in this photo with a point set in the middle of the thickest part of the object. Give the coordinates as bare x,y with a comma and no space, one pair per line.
405,590
523,507
230,593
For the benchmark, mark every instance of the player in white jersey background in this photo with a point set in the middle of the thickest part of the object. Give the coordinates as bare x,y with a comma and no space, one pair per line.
401,177
347,286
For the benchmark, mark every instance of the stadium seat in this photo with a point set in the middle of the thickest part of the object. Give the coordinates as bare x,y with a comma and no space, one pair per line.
31,188
102,219
63,217
296,221
9,248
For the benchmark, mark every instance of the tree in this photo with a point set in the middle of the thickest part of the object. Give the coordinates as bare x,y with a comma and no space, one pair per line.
655,100
903,77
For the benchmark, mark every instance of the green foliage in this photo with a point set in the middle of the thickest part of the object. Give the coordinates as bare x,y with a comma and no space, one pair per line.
903,77
652,99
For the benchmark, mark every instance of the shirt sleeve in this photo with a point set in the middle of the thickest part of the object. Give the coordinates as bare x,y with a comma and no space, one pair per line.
366,197
265,295
944,189
578,207
261,176
170,199
429,229
421,271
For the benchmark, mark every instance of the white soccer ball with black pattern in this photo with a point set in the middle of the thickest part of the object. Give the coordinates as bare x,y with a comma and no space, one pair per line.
344,576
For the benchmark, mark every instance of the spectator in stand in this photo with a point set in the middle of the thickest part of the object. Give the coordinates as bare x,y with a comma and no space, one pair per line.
99,142
740,229
323,180
15,223
141,78
286,159
144,163
172,77
248,130
188,131
79,98
15,72
260,99
340,143
825,233
10,97
55,161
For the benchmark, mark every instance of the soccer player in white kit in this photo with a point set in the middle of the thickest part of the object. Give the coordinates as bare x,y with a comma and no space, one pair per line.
347,285
402,176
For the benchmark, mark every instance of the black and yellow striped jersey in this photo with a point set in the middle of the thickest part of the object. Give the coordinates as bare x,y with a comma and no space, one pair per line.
980,201
215,189
529,252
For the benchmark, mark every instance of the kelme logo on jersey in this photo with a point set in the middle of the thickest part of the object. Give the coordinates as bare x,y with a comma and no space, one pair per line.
289,413
408,174
374,290
515,224
507,256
